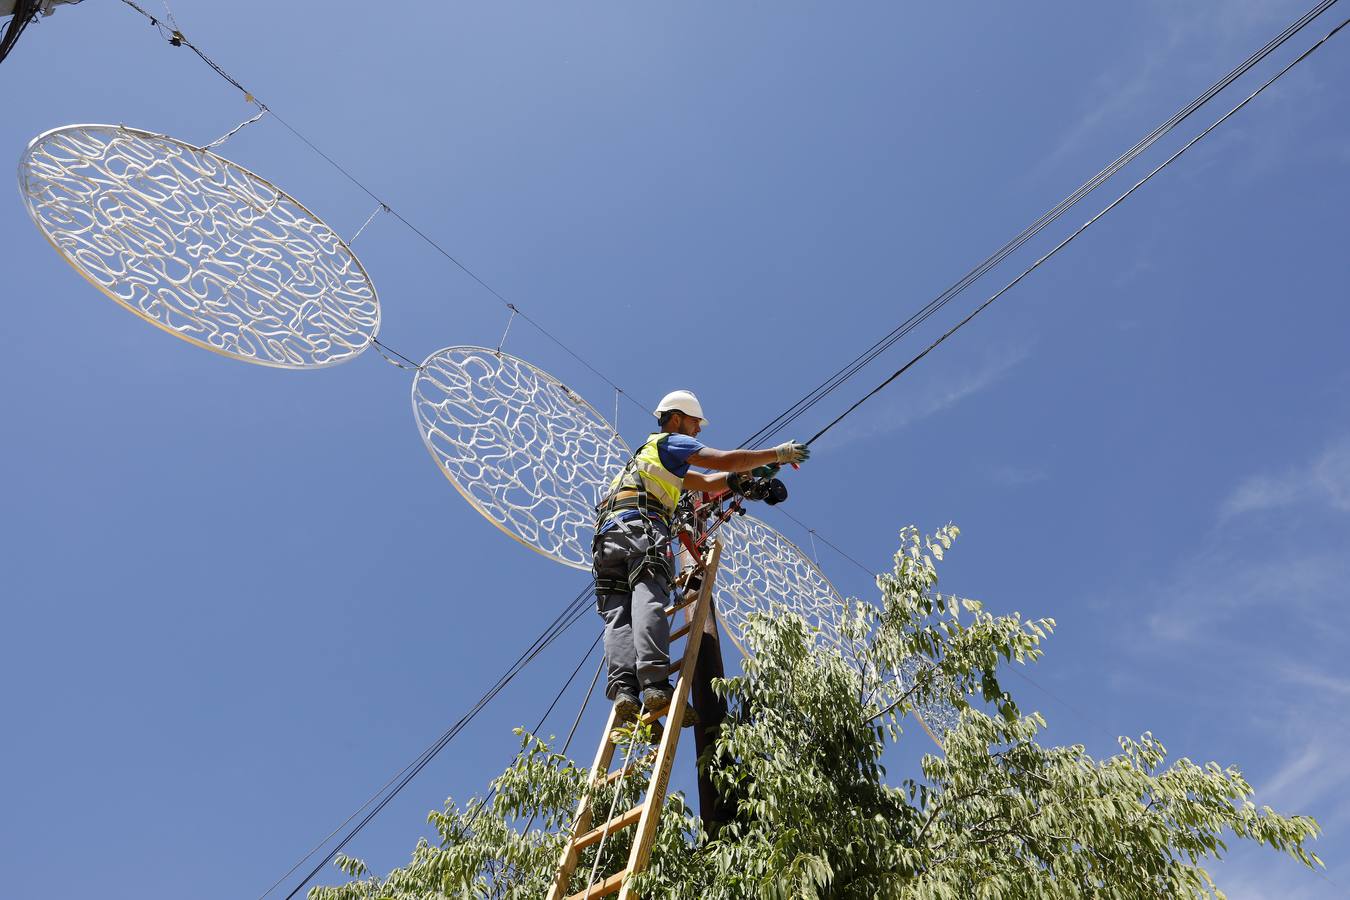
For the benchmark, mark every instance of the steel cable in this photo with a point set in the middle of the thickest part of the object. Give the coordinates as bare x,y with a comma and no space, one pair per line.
1084,227
1054,213
571,614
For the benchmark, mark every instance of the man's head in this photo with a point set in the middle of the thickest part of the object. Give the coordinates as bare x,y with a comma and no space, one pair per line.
679,412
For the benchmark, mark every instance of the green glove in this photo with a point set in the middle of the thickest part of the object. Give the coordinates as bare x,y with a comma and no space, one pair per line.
765,471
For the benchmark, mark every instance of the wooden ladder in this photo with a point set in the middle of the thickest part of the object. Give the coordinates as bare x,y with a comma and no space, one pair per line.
646,815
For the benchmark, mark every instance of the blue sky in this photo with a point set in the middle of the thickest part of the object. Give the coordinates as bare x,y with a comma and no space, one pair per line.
241,598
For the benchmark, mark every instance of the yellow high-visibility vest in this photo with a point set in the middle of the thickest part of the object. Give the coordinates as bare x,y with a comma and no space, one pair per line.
646,474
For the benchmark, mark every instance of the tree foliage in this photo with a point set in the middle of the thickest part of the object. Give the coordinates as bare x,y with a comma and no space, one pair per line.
997,815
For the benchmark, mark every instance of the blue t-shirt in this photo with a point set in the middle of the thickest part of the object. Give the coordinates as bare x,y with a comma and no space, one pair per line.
674,453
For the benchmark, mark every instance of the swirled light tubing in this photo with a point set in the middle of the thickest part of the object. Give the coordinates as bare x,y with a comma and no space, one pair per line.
525,450
760,569
199,246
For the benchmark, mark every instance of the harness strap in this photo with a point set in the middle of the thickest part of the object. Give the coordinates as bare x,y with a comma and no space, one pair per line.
630,493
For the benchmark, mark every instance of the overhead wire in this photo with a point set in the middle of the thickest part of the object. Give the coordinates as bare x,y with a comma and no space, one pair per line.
177,38
22,15
924,314
1078,231
859,362
844,374
570,615
482,804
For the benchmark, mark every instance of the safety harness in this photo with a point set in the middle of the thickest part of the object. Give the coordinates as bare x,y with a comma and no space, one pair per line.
643,485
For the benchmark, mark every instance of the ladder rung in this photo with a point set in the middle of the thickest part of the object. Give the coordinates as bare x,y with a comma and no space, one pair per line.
595,834
675,666
681,604
604,888
680,632
629,769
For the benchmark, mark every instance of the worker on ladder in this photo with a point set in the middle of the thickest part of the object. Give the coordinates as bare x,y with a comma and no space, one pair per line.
631,552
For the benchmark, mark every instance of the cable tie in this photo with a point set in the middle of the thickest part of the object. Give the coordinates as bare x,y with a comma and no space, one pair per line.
379,209
510,319
262,111
380,348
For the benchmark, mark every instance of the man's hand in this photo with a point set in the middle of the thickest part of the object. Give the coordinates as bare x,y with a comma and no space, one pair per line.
792,452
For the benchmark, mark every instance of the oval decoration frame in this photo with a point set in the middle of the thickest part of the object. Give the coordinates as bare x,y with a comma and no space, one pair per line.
199,246
527,452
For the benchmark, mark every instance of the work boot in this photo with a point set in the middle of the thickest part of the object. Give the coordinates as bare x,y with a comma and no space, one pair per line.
656,699
626,708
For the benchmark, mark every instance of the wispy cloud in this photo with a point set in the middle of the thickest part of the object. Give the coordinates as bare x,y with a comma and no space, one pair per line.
1262,564
1190,44
1213,587
1327,684
938,394
1008,475
1313,771
1324,481
1259,879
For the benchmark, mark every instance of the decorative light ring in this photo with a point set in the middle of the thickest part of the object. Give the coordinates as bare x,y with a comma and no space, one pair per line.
937,718
524,449
760,568
199,246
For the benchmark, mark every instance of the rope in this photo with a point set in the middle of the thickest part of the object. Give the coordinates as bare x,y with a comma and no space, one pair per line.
1084,227
1053,214
385,350
262,111
613,804
371,218
815,555
507,330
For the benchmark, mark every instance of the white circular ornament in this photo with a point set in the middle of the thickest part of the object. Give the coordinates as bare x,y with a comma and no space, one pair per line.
760,568
524,449
199,246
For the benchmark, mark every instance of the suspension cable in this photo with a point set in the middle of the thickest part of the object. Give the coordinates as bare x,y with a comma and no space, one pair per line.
570,615
1054,213
1084,227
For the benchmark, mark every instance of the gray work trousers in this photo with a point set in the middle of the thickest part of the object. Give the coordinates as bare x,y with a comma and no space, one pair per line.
637,632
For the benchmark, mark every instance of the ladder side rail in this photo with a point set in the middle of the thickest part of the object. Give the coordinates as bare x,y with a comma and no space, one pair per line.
665,755
581,822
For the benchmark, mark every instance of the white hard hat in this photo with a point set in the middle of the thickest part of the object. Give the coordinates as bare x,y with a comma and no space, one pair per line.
680,401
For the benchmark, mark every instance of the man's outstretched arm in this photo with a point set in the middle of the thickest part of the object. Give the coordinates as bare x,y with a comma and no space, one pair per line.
697,481
745,460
